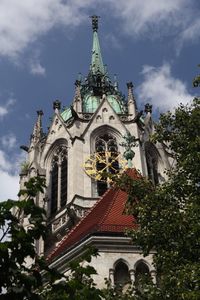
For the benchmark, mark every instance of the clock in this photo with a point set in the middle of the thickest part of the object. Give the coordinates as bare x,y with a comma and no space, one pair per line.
99,164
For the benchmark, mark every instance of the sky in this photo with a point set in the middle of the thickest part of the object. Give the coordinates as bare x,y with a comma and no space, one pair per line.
44,44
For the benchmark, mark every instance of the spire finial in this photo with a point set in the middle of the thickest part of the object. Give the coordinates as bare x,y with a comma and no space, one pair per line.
97,65
130,91
37,129
95,22
56,106
148,108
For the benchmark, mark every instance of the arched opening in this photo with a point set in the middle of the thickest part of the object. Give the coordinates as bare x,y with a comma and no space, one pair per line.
64,179
121,274
54,188
58,178
142,275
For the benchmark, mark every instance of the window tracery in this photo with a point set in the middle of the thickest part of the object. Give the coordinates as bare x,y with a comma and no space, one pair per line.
59,170
106,143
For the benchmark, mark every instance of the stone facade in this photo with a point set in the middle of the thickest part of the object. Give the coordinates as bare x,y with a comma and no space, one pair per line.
98,110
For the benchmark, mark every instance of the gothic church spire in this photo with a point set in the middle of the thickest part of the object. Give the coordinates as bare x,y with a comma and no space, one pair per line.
96,61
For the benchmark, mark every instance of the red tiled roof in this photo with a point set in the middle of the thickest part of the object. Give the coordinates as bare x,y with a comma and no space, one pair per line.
107,215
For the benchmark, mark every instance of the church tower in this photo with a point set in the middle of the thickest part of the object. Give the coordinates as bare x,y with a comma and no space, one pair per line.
84,142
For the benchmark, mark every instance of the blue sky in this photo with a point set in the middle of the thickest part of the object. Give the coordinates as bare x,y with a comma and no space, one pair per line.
44,44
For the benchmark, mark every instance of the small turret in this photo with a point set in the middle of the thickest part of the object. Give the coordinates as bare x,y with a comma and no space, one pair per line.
116,85
37,130
131,100
77,102
148,111
56,106
148,119
148,108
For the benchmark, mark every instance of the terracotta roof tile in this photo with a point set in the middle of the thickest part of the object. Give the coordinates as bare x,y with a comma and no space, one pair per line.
107,215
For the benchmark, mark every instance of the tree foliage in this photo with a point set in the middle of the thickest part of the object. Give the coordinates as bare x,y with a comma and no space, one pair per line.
169,215
168,222
18,280
78,284
23,275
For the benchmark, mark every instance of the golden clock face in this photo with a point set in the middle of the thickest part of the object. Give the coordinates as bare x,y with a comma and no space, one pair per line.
99,164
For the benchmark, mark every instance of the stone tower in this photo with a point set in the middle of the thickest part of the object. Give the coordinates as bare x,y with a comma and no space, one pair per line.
85,140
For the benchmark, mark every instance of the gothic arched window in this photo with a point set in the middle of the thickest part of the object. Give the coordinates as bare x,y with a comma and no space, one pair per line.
54,187
64,181
152,156
121,274
104,144
59,170
142,274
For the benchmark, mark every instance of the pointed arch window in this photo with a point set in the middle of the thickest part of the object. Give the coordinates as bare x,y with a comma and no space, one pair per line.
121,274
59,176
142,274
104,144
64,177
54,187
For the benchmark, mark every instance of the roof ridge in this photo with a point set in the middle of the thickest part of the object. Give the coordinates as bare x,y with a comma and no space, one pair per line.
74,228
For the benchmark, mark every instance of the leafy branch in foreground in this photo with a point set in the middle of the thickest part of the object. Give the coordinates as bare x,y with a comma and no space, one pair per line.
169,215
19,279
77,284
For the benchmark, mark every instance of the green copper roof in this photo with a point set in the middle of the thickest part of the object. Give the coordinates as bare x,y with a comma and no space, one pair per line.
115,104
91,103
98,82
96,62
66,114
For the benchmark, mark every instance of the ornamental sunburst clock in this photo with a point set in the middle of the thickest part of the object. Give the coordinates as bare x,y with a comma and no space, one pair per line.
100,164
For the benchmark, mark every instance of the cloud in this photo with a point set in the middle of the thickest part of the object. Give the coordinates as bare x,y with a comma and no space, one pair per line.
4,163
161,89
37,69
111,39
9,174
4,109
9,186
34,64
9,183
190,34
23,22
11,163
150,15
8,141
